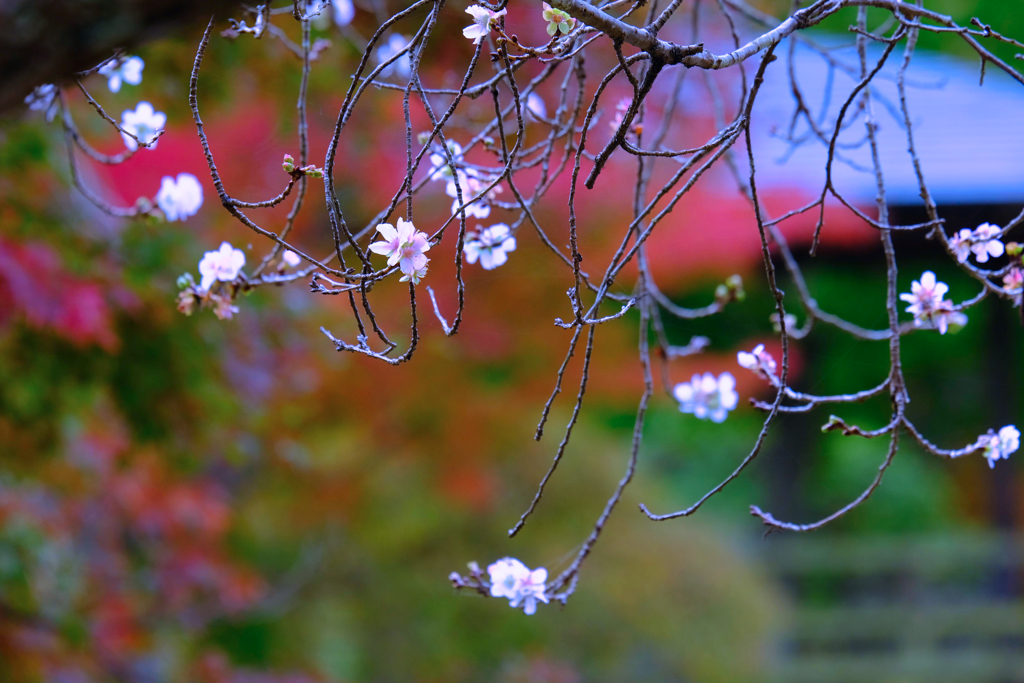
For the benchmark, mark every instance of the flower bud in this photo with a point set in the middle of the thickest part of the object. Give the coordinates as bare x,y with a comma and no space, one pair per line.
185,280
289,163
312,171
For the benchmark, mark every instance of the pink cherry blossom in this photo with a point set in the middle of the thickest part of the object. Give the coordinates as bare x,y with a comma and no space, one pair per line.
404,246
961,244
1014,280
927,305
621,107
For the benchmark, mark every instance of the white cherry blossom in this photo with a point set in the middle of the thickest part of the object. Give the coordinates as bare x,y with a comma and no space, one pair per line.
439,168
511,579
491,245
535,106
1001,445
122,70
986,242
758,361
481,25
706,397
290,258
472,185
44,99
144,123
181,197
343,12
223,264
403,65
404,246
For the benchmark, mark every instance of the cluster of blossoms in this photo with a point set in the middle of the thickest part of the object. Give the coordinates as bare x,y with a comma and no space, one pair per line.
470,181
996,445
1000,445
178,197
490,245
512,579
405,246
707,397
485,20
929,308
1013,280
222,265
983,241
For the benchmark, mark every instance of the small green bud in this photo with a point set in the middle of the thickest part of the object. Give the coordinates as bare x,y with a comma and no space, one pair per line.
721,292
186,281
289,163
423,137
1014,249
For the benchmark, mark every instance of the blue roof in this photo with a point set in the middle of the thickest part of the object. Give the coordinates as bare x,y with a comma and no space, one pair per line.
969,137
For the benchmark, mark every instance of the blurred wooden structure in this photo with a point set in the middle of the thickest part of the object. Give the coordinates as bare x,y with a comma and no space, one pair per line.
930,609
